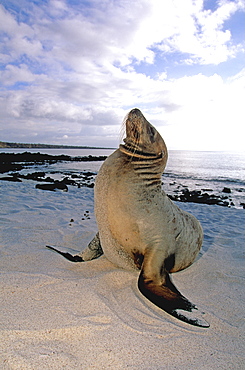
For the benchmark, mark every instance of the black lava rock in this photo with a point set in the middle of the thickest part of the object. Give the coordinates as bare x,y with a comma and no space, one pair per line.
52,187
226,190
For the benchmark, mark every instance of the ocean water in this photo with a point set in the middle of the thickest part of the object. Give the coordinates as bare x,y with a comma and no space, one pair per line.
198,170
209,172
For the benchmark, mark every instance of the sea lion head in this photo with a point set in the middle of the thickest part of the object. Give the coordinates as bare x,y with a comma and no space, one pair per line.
142,139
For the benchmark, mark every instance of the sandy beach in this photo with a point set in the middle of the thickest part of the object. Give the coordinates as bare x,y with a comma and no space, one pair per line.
56,314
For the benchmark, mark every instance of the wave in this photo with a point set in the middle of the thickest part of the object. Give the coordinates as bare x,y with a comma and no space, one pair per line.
190,177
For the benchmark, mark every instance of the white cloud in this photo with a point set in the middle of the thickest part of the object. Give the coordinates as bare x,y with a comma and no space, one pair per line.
195,112
211,113
70,71
13,74
200,32
121,31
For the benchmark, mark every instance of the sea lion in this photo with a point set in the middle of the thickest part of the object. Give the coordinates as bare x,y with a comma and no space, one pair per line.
139,226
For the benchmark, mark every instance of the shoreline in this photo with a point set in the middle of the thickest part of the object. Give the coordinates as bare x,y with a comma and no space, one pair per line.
11,145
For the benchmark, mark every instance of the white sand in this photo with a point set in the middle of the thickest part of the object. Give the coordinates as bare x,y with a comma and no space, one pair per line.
56,314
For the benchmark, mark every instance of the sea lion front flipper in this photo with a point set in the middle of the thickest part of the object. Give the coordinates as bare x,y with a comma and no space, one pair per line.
168,298
92,251
68,256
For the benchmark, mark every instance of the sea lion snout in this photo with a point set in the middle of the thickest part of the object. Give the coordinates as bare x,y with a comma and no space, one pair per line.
138,129
136,112
134,124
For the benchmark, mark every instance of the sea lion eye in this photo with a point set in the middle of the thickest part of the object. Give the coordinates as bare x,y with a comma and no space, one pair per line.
151,132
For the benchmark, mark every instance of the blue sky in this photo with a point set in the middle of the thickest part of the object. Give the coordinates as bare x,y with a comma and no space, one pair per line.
71,70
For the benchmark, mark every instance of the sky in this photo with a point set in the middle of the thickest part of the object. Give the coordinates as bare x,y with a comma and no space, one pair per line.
70,71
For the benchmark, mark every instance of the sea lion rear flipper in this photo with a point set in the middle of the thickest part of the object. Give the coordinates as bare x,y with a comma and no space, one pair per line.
92,251
169,299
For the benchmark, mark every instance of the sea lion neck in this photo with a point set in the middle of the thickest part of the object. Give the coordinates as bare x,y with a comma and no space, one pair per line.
147,167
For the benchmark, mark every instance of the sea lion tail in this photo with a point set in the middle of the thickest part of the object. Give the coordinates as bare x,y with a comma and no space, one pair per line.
168,298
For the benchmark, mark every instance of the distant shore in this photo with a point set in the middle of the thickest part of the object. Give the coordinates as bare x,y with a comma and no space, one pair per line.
9,145
16,162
